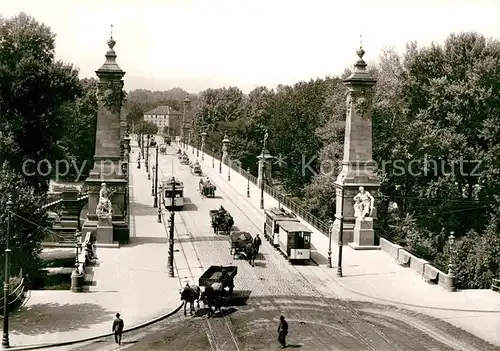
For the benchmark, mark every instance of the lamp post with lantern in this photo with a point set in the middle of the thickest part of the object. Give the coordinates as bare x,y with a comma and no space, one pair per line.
203,139
6,283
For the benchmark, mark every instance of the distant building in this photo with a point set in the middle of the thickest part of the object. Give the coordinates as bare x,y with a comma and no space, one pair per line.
166,118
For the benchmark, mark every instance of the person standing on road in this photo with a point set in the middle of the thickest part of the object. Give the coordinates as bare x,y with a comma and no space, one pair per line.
256,243
282,331
118,329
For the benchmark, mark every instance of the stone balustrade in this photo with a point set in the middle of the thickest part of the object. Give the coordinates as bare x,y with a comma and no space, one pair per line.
428,272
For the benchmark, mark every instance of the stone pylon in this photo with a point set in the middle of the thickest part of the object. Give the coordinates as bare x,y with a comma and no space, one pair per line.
358,167
107,159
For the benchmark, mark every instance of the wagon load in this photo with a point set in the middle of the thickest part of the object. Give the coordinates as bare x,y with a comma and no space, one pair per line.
222,222
207,188
184,160
196,168
223,275
239,242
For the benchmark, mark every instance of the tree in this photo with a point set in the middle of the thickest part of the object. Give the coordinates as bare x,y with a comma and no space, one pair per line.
147,128
25,237
80,125
33,87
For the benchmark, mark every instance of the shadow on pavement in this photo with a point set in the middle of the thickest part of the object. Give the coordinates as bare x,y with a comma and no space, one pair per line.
54,317
260,264
189,207
318,258
201,238
141,240
239,298
139,209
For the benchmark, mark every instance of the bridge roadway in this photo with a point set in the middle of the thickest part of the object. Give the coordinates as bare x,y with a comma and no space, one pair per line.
318,318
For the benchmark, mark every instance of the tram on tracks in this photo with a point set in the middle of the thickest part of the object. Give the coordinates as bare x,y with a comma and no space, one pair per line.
284,231
273,217
173,193
294,240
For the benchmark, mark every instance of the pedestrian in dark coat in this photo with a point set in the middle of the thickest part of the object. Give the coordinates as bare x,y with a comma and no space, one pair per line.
282,331
256,243
118,329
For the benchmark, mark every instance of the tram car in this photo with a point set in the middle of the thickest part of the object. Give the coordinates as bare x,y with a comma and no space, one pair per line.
294,240
167,188
273,217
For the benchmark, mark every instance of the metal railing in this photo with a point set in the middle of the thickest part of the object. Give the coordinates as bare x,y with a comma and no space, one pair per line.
16,296
292,205
495,285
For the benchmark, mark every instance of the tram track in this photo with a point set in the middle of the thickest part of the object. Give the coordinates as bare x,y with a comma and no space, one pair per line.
366,332
319,294
280,280
367,338
215,345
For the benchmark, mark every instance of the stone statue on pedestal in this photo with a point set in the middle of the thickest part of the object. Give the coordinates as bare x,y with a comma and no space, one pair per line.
103,209
363,204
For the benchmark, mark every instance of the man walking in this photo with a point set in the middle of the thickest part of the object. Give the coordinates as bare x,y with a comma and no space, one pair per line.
282,331
118,329
256,243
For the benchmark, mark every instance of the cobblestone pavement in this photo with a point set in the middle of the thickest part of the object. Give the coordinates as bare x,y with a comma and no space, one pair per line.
318,318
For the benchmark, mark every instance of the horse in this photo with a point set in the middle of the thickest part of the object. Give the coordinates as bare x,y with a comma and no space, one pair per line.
190,294
251,253
212,297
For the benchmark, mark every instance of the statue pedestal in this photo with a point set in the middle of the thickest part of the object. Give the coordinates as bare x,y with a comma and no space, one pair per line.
104,234
364,236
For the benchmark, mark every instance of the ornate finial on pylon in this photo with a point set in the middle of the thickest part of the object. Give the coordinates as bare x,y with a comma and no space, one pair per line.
360,51
111,41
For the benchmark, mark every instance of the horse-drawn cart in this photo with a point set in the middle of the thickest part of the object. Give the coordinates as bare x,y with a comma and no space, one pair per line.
222,222
196,169
239,243
219,274
184,160
207,188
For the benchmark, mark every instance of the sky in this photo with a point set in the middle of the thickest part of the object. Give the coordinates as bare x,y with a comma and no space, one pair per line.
197,44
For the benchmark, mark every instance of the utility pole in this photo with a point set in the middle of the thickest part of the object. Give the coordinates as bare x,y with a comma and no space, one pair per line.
341,233
6,283
155,204
171,238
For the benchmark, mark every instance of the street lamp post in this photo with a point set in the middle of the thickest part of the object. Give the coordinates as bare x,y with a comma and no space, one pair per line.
213,157
451,242
228,168
77,244
341,232
220,163
153,180
203,138
6,283
159,206
191,141
198,147
142,140
330,229
263,176
155,204
146,162
171,236
262,170
248,182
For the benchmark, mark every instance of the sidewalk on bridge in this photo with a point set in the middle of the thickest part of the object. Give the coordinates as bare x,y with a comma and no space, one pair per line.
132,280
